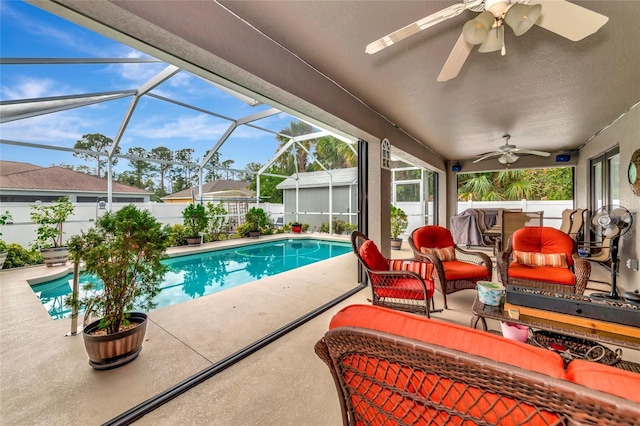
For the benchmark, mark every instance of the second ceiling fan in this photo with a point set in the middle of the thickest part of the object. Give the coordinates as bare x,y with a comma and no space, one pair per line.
487,29
508,153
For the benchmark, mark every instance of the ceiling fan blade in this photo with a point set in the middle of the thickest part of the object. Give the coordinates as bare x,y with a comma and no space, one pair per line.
456,59
528,151
415,28
569,20
484,157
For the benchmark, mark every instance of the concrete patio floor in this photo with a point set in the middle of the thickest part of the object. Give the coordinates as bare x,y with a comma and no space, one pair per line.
45,377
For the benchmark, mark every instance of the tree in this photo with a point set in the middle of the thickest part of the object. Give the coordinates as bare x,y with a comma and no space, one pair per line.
289,163
98,143
184,176
268,184
333,153
142,169
162,153
226,164
211,167
533,184
250,177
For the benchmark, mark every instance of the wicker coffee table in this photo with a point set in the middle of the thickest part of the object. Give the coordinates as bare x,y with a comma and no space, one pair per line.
480,312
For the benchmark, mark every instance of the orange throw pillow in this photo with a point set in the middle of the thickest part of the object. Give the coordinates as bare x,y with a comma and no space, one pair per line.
445,254
556,260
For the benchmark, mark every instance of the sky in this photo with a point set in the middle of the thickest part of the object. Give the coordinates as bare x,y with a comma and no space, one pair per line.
29,32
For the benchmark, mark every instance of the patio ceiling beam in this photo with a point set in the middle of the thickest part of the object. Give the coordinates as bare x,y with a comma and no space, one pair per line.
26,108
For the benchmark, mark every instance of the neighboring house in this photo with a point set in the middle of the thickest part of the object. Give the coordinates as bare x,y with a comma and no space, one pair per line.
308,193
214,191
28,183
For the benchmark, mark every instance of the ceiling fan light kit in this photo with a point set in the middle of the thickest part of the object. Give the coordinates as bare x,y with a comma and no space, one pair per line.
521,17
487,29
476,30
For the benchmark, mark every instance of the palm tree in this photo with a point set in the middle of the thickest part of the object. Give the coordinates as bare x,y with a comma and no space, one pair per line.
287,163
334,154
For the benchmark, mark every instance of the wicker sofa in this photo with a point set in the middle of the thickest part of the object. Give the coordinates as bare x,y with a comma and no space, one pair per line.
391,367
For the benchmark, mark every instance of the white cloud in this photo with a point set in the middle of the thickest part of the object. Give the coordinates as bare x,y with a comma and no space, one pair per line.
29,88
59,129
194,128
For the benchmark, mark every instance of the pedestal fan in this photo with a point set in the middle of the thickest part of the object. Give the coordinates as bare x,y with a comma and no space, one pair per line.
610,223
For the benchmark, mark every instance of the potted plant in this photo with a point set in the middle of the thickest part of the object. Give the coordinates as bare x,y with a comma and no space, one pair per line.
4,218
296,227
50,219
195,221
398,225
123,250
256,220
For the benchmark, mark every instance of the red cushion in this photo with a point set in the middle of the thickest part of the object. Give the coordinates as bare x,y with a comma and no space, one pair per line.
432,236
457,270
367,375
545,240
615,381
402,288
453,336
542,273
372,257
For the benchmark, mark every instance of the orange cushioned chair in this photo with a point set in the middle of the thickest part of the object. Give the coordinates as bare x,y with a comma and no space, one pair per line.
403,284
543,257
454,269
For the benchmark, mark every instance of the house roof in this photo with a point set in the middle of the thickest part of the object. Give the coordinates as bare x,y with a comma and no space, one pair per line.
339,177
213,188
17,175
10,167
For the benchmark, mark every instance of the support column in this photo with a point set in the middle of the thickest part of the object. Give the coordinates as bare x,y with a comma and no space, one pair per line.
379,199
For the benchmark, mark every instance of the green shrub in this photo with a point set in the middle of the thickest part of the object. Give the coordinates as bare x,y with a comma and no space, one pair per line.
18,256
339,227
217,221
177,235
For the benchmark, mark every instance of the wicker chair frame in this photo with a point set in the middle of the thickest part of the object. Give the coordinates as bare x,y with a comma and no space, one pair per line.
386,282
581,269
445,286
429,384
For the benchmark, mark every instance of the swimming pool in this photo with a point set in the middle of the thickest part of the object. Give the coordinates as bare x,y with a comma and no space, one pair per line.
197,275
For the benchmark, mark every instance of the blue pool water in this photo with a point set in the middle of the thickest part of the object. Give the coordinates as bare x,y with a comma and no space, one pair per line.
200,274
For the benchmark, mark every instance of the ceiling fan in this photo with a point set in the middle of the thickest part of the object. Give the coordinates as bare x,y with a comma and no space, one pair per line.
487,29
508,153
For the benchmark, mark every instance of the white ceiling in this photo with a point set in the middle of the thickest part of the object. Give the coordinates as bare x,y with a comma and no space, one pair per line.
549,93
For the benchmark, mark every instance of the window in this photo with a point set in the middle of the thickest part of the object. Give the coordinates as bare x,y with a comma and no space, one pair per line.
605,179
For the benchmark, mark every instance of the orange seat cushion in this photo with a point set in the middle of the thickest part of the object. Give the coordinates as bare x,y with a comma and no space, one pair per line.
453,336
542,273
622,383
456,403
457,270
402,288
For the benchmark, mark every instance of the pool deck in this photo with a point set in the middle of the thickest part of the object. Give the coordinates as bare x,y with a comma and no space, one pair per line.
45,377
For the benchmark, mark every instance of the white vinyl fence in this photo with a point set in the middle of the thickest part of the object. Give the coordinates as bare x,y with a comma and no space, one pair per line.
23,231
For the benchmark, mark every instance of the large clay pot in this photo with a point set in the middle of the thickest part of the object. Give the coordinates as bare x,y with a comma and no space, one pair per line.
52,256
254,234
114,350
296,229
396,244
